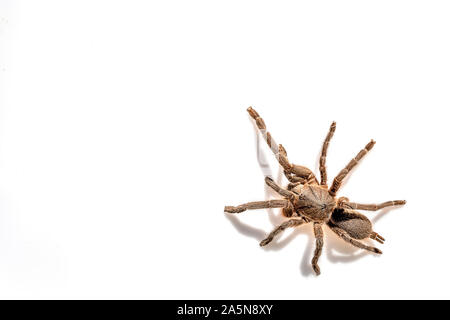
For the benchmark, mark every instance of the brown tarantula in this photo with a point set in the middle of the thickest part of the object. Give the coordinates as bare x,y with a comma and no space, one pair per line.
305,200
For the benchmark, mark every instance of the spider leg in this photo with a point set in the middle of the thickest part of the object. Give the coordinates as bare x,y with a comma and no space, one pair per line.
343,173
285,193
283,203
318,233
323,157
287,224
372,207
346,237
375,236
294,173
292,185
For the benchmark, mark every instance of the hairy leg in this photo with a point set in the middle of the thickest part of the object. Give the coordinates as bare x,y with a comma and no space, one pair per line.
346,237
279,152
372,207
375,236
292,185
294,173
285,193
300,174
287,212
287,224
323,157
343,173
318,233
258,205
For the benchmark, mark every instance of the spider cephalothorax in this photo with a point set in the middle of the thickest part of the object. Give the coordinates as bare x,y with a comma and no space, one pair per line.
306,200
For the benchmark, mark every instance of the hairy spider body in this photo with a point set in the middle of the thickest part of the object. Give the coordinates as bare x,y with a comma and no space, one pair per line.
305,200
315,203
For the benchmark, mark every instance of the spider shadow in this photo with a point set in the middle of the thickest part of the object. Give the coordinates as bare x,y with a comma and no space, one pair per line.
383,212
245,229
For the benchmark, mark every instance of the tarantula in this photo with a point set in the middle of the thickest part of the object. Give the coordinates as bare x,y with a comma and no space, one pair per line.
306,200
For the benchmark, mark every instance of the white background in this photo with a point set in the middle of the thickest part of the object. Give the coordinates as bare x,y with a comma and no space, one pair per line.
123,133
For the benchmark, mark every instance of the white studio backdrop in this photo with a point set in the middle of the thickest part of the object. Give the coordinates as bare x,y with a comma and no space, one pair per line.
124,133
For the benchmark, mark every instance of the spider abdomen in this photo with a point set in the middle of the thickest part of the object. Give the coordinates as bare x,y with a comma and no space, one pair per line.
354,223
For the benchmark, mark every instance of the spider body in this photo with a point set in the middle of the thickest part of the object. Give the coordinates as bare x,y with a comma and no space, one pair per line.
305,200
315,203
